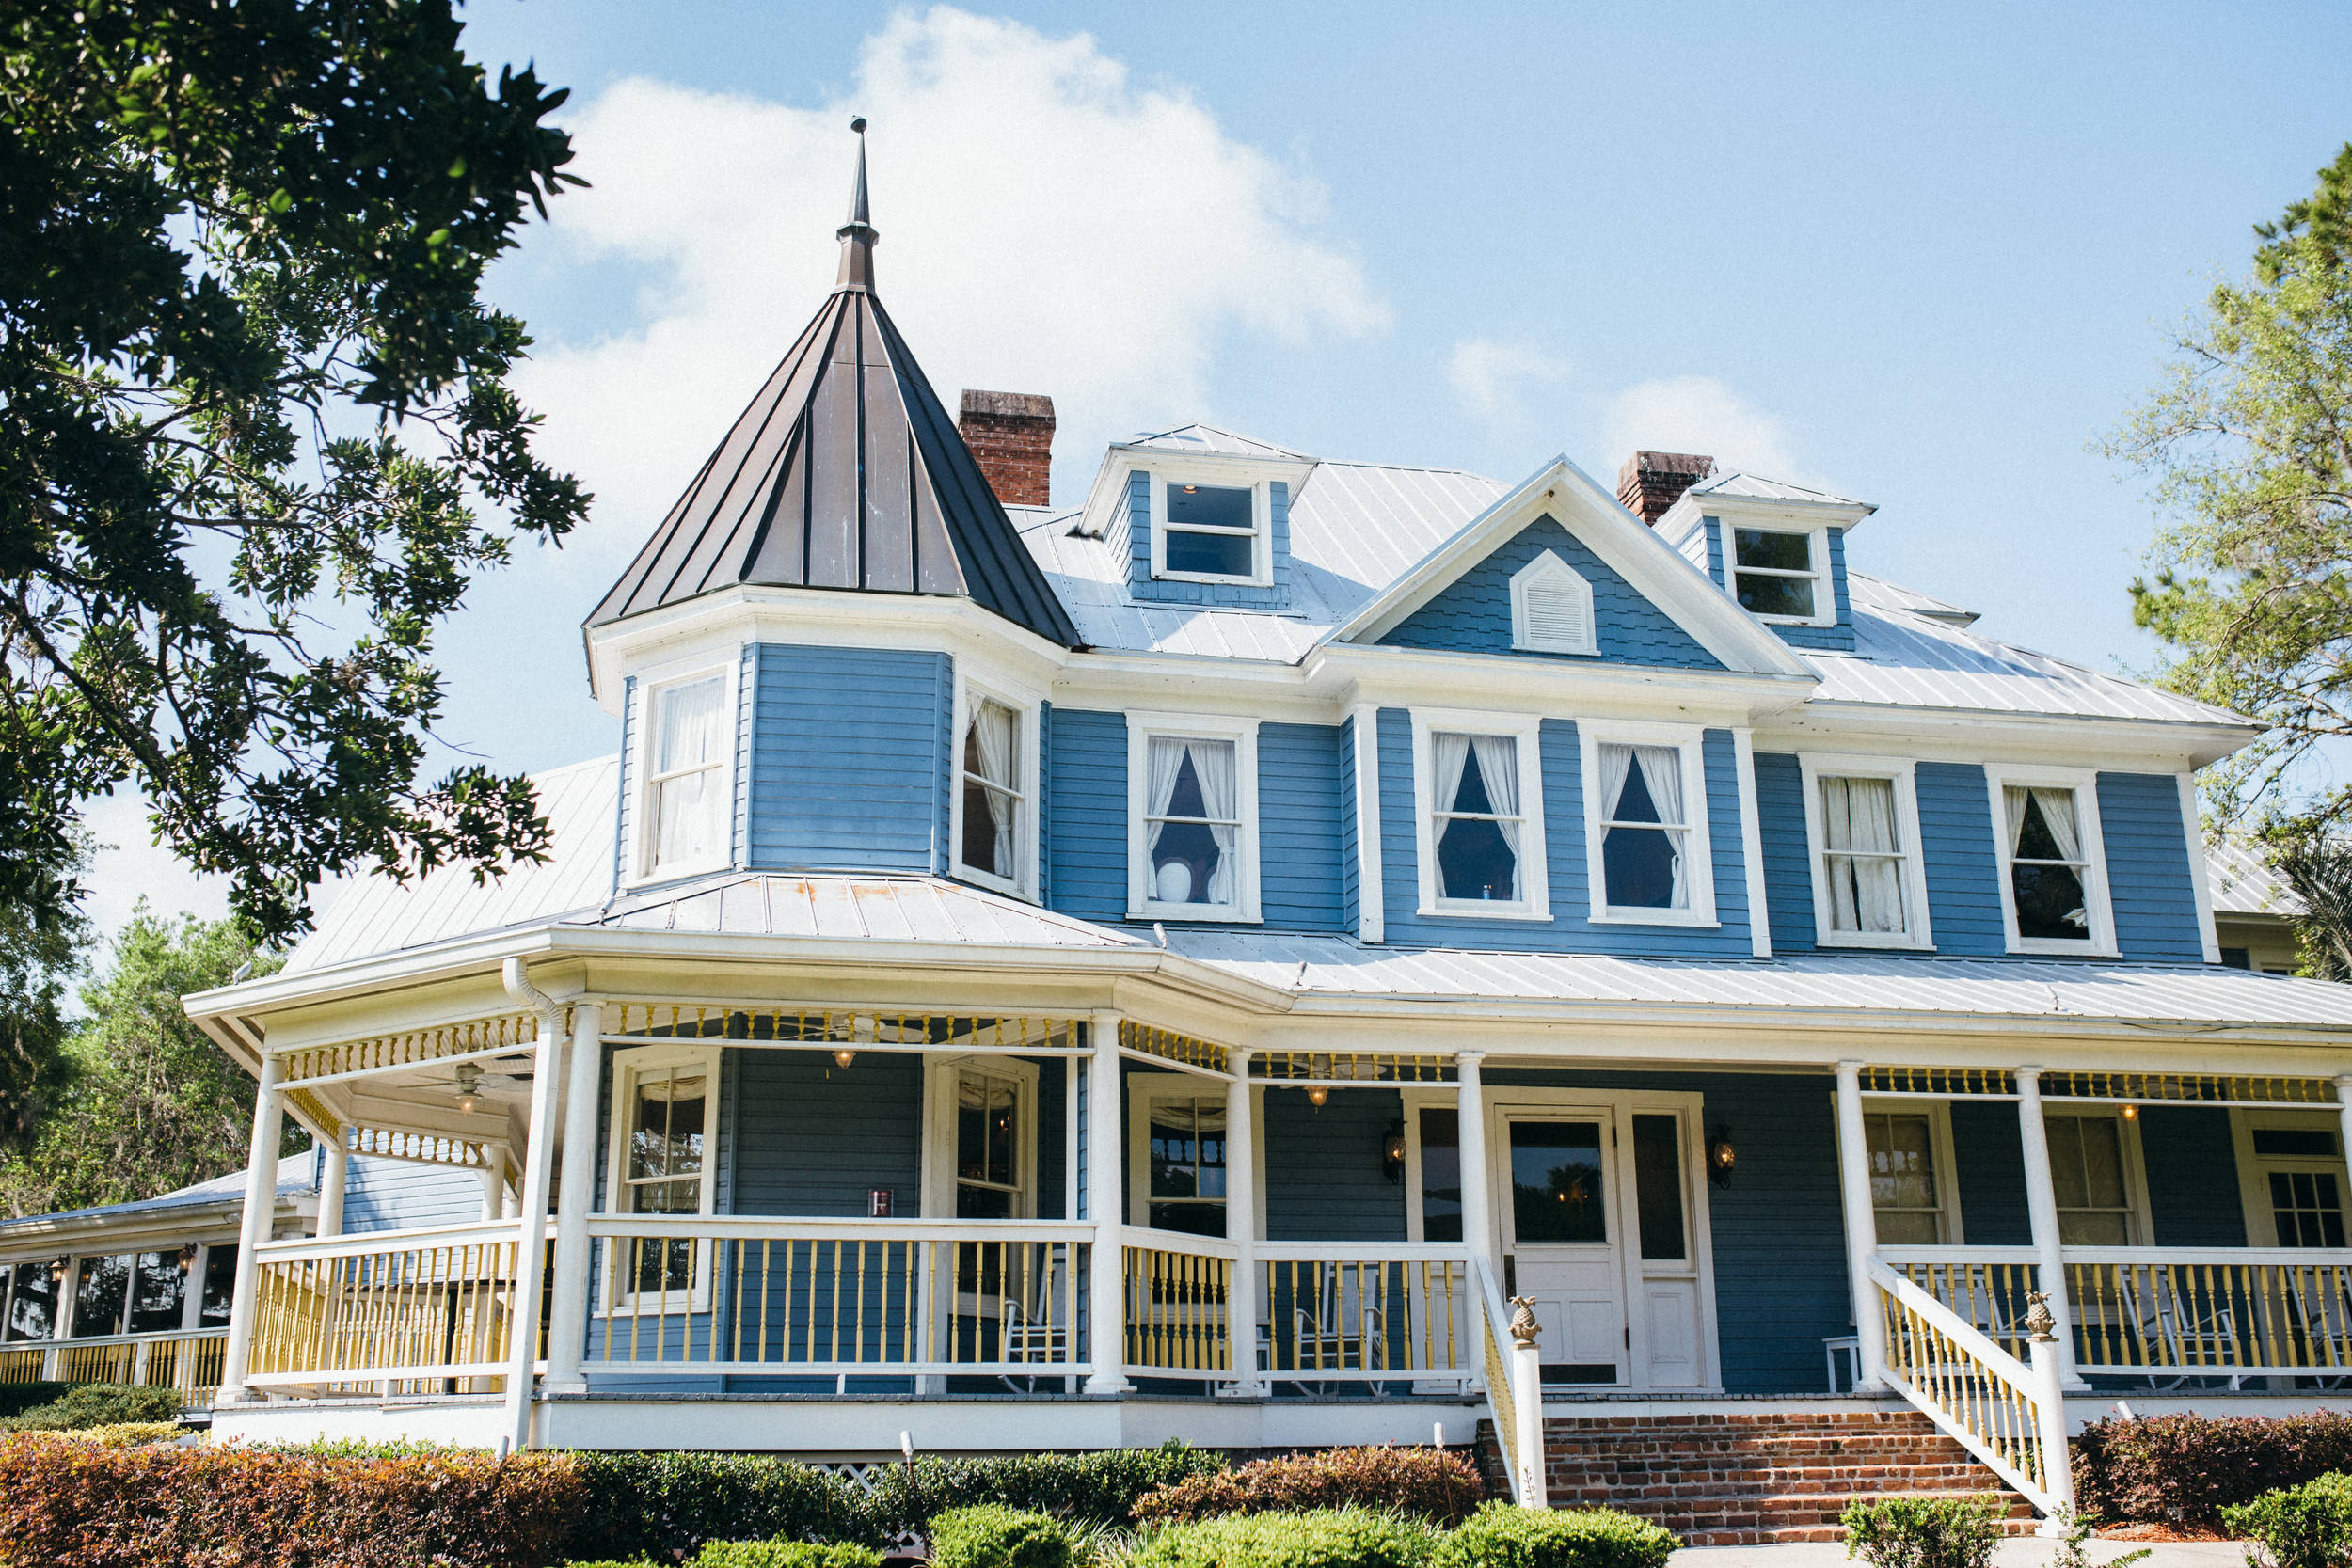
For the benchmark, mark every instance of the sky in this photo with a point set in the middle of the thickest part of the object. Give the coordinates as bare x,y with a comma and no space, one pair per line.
1920,256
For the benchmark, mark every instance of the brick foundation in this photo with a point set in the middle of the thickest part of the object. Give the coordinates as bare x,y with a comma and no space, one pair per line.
1744,1480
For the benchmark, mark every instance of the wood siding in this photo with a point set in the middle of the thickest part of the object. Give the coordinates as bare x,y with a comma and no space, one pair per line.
849,759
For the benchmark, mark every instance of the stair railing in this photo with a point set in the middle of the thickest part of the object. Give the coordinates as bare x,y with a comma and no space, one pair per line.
1513,1389
2010,1416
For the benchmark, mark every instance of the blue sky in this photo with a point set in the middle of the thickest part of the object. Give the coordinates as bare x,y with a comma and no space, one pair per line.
1919,257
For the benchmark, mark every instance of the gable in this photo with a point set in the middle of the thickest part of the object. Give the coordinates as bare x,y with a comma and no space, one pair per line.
1472,613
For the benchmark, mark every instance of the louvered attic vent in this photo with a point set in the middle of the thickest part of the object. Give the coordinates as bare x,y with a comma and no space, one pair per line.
1551,609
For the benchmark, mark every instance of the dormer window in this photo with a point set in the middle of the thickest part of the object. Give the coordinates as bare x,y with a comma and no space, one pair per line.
1206,532
1777,574
1551,609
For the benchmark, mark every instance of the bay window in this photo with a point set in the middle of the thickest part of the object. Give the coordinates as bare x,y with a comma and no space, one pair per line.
1646,825
1478,784
687,775
1863,820
1192,806
2054,892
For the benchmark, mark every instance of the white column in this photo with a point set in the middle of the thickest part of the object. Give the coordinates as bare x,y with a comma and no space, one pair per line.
530,1256
261,1212
1862,1233
1470,1118
2343,1111
2049,1388
1241,1225
567,1312
1371,897
1107,1205
493,1182
2042,1216
334,1176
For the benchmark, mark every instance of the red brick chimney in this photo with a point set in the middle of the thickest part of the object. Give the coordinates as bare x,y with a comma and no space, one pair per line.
1651,482
1012,437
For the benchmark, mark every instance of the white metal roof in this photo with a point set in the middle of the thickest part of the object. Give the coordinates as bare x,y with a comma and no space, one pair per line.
2244,883
1757,488
2014,987
848,908
1209,438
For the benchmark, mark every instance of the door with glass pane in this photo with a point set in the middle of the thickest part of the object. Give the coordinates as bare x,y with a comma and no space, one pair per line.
1558,1195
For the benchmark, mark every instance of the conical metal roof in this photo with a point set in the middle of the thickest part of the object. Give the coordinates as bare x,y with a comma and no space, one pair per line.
846,472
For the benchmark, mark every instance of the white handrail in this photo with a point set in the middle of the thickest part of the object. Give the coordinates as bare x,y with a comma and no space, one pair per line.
473,1232
2022,1418
1360,1251
1516,1410
758,1226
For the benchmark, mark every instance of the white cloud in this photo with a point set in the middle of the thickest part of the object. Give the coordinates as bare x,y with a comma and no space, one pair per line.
1493,379
136,867
1047,225
1695,413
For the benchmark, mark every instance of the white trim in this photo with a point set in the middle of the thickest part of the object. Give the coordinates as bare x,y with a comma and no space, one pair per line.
627,1067
1372,914
645,824
1818,570
1815,765
1526,732
2193,833
1028,705
1549,570
1261,574
1939,1115
1242,733
1752,843
1698,852
2100,943
942,1076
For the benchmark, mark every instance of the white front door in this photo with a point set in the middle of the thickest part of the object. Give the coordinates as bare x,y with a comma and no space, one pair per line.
1560,1215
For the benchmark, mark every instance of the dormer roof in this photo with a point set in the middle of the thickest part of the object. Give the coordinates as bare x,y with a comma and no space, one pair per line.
846,472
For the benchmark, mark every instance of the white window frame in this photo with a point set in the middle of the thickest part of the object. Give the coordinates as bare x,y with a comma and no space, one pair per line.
969,693
1526,732
1818,569
1242,733
2137,1225
1901,773
1261,574
1143,1090
1939,1115
942,1076
2084,782
1691,741
647,791
627,1066
1548,569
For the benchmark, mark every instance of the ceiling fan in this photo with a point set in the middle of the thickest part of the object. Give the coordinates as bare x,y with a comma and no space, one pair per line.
471,1083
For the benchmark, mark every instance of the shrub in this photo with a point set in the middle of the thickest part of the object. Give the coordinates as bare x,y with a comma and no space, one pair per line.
1105,1487
1501,1536
994,1536
130,1435
16,1397
1326,1538
97,1404
660,1504
1923,1532
164,1506
1431,1483
787,1554
2299,1527
2186,1470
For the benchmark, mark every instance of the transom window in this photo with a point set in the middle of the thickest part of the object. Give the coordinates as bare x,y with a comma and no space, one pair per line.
1477,824
663,1161
989,1116
1774,573
687,784
2049,868
995,802
1645,827
1210,530
2087,1172
1906,1191
1186,1157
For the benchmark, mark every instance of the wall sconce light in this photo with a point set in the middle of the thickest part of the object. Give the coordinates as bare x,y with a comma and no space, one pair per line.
2131,1113
1319,1095
1721,1157
1392,1151
843,1057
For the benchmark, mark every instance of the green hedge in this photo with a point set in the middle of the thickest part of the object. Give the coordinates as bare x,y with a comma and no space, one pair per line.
1501,1536
1923,1532
1326,1538
1104,1488
992,1536
1430,1483
2299,1527
84,1406
785,1554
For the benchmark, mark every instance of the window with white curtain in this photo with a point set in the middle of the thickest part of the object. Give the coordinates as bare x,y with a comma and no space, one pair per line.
2089,1179
1192,800
2053,884
994,804
686,785
1477,824
666,1101
1645,827
1862,820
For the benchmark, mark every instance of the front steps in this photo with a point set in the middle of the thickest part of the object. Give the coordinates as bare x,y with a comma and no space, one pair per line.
1740,1479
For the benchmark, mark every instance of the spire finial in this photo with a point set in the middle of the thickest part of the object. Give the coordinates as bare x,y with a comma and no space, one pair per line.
857,235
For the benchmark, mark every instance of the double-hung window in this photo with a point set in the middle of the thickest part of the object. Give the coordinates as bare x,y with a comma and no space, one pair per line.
1777,574
688,774
1210,532
1909,1153
1192,805
994,832
1182,1159
667,1104
2054,878
990,1130
1862,818
1646,825
1479,786
2089,1179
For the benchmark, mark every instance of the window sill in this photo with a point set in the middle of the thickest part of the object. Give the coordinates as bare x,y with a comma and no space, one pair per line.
992,883
1854,943
1687,919
1212,579
1479,909
1194,915
2057,947
1814,621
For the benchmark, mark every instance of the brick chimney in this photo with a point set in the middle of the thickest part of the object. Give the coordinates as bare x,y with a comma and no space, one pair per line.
1012,437
1651,482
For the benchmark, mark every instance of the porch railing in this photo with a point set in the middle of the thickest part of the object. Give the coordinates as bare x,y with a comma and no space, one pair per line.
1512,1381
1985,1287
1180,1298
429,1306
1333,1311
838,1298
189,1362
1972,1389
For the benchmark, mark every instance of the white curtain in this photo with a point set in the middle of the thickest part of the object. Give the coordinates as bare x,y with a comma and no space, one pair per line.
2014,799
1165,759
688,730
1865,882
997,731
1662,771
1220,800
1617,762
1498,765
2058,812
1453,755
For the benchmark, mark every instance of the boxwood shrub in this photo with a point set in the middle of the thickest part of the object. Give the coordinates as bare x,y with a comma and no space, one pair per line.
1105,1487
84,1406
660,1504
2186,1470
992,1536
1923,1532
1430,1483
2297,1527
1326,1538
785,1554
1503,1536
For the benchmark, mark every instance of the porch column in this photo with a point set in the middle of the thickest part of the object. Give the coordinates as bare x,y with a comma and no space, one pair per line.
1241,1225
2043,1216
1106,1144
531,1252
334,1174
2343,1111
261,1212
493,1182
1470,1135
1862,1234
567,1308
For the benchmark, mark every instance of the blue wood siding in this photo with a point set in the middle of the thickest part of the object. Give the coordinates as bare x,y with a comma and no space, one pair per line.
1143,586
1964,875
818,1138
1988,1169
1713,528
1300,769
746,695
1841,635
1570,929
1777,1230
1473,614
622,812
401,1195
1324,1180
2149,880
1351,891
849,759
2192,1176
1085,795
1787,866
